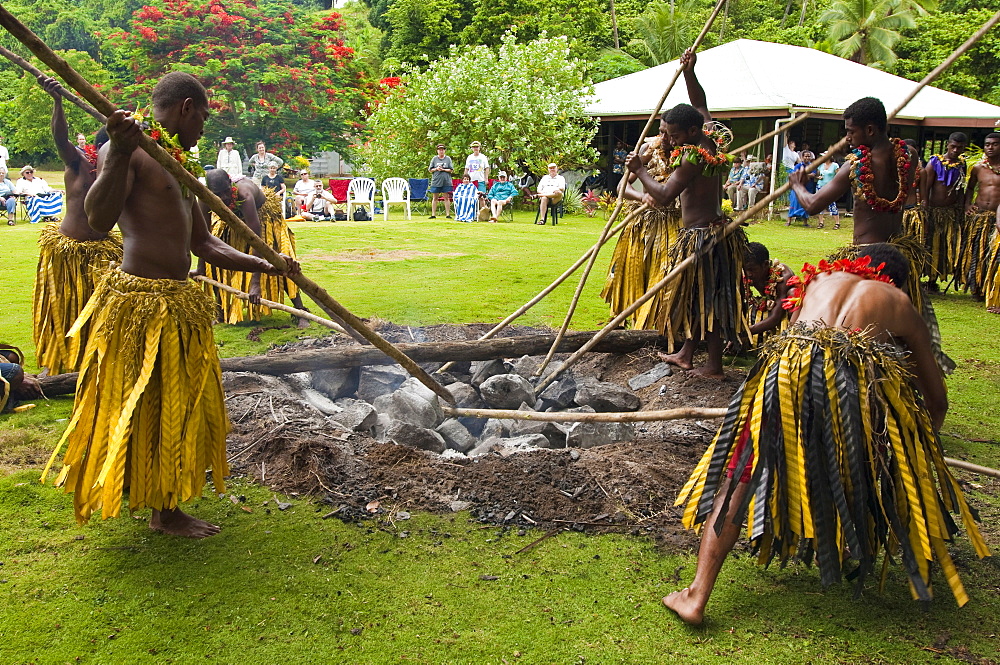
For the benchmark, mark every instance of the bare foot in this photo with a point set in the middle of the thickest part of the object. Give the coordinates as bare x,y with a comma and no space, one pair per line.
707,373
176,522
993,310
687,608
675,359
301,324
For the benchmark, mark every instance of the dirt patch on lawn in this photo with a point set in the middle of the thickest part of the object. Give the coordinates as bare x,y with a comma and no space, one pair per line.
627,487
355,256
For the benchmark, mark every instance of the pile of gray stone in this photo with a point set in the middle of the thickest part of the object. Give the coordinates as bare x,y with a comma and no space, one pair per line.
385,402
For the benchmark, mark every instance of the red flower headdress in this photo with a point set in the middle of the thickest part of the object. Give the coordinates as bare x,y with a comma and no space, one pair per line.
860,267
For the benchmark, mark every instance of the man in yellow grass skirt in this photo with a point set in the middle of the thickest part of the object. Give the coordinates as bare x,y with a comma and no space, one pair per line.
830,448
881,172
72,257
705,301
942,191
641,252
149,414
261,211
979,233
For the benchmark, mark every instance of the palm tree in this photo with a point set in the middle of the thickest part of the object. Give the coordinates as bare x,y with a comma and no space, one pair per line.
665,30
866,31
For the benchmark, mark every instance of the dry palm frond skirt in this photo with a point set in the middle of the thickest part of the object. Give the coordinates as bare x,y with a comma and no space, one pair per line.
844,462
944,240
991,285
973,261
914,252
638,262
915,223
275,232
707,296
149,412
68,271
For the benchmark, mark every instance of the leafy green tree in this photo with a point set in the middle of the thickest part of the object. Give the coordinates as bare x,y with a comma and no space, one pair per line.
665,30
585,24
867,31
530,111
275,73
612,63
421,31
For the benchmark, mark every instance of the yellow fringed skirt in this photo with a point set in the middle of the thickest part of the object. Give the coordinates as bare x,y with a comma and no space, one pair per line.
915,223
973,260
991,285
68,271
149,414
707,296
638,262
841,459
275,232
943,240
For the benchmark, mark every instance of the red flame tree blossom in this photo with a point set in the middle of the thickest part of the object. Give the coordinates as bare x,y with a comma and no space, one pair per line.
273,72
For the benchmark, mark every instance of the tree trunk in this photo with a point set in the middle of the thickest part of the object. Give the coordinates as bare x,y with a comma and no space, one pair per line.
614,25
802,16
619,341
788,10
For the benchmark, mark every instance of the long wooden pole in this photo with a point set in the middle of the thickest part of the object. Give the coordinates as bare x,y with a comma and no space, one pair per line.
551,287
301,313
562,417
735,224
621,195
262,249
66,94
969,466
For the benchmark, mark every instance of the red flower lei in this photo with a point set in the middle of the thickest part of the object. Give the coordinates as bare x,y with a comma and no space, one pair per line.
90,152
860,267
765,302
235,202
862,176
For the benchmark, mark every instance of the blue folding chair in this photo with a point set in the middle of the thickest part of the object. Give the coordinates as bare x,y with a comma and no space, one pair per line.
418,192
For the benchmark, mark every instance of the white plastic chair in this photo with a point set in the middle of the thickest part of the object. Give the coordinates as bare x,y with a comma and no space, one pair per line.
360,191
395,190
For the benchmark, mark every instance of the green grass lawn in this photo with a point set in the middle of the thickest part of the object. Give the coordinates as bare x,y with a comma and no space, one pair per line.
422,590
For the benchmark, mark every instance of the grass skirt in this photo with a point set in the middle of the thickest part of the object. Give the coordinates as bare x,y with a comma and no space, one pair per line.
944,240
638,263
845,462
915,252
915,223
149,412
973,260
991,285
275,232
708,294
68,271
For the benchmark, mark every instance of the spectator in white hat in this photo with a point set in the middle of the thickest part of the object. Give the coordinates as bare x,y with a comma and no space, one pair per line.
501,193
550,190
229,160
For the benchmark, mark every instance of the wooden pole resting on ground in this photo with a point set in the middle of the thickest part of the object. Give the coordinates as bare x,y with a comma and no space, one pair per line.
612,417
740,220
185,179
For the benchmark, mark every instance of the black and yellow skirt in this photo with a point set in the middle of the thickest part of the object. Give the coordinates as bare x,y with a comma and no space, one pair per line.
68,271
150,413
974,259
944,240
842,461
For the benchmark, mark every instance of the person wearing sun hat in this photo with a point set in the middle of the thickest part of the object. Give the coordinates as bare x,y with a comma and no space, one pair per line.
229,159
477,167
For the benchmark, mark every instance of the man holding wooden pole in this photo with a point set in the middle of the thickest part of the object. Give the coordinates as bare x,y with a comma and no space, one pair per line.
705,302
149,414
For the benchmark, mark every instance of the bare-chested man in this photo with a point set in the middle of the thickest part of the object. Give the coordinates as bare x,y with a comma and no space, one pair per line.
641,251
982,199
264,217
150,414
836,467
72,257
704,303
878,205
770,279
942,191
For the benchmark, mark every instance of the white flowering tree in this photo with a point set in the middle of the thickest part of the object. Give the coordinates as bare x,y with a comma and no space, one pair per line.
523,102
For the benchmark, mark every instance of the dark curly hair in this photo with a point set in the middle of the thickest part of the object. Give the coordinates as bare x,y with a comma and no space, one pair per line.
684,116
867,111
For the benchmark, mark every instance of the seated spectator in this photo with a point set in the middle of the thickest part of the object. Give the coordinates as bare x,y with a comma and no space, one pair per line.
274,180
501,193
550,191
751,184
319,204
303,187
260,163
43,201
732,184
526,183
7,194
466,198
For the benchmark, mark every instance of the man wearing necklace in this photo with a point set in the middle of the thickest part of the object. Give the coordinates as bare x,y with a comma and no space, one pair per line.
705,302
942,191
830,447
262,213
150,414
980,219
876,169
72,257
770,280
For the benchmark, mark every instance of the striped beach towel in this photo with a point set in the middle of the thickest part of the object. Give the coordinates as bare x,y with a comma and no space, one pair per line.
44,205
465,197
